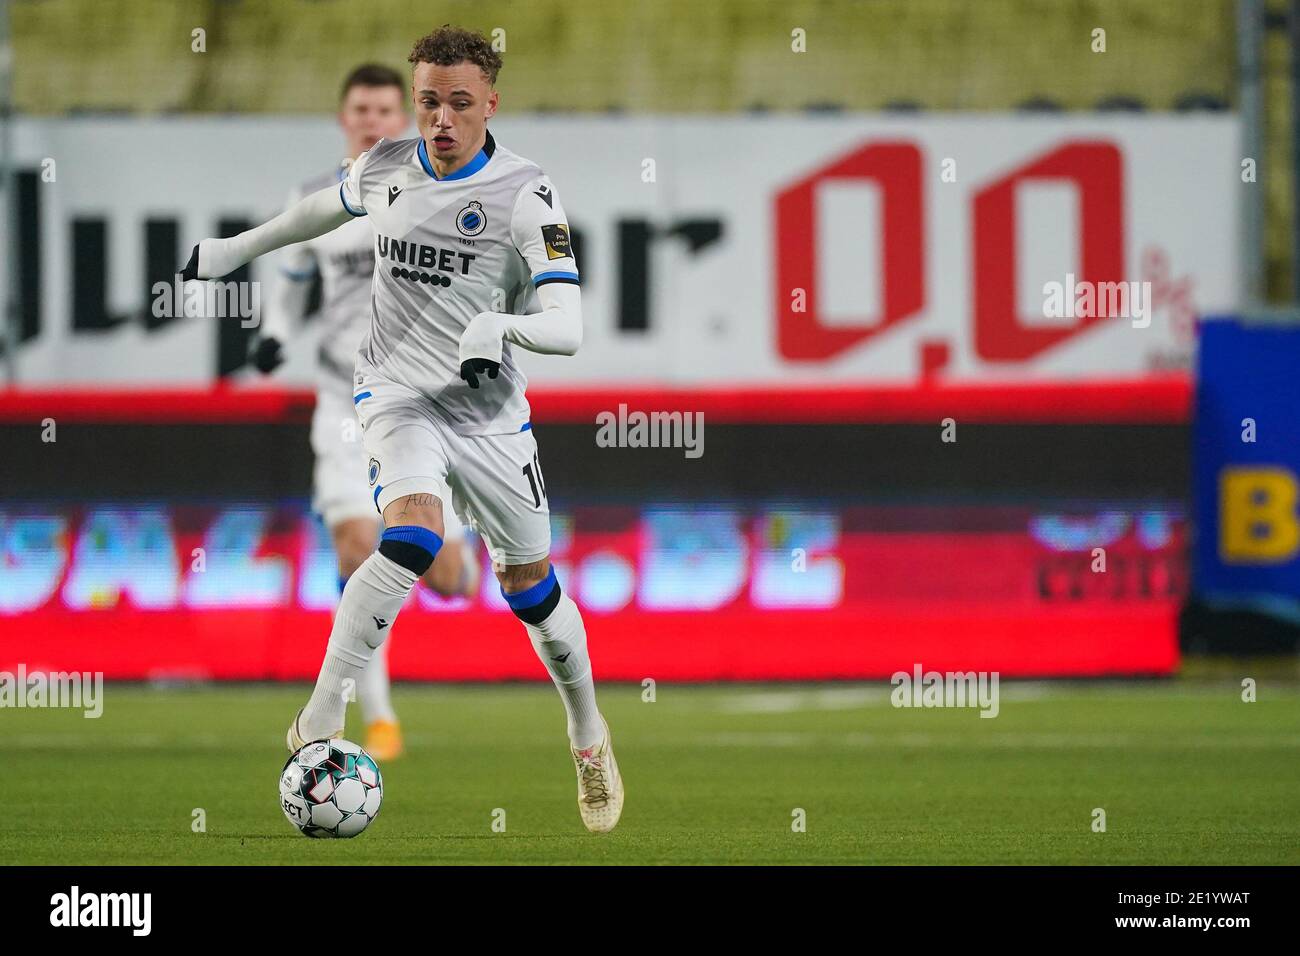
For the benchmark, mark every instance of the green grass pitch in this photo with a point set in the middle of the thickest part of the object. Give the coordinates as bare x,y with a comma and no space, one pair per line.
1186,772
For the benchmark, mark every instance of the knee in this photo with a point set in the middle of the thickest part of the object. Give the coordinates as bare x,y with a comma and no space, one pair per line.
412,534
531,590
422,511
515,578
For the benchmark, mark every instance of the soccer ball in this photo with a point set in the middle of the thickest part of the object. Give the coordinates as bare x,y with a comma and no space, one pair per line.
331,788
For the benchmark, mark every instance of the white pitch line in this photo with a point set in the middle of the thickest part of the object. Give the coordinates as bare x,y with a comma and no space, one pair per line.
994,741
793,701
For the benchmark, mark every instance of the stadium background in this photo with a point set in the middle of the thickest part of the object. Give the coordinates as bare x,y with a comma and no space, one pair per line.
829,530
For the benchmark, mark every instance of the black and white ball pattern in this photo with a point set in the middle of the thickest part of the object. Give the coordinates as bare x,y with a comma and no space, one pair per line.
331,788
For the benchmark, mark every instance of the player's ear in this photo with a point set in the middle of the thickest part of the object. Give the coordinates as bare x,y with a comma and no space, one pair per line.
494,100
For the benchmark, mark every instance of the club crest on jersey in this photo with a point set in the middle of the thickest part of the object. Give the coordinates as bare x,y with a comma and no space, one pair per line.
556,238
471,220
374,470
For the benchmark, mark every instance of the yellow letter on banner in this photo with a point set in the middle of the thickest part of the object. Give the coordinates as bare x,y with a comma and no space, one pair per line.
1257,515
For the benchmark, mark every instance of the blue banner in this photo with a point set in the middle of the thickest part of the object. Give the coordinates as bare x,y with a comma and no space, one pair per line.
1247,466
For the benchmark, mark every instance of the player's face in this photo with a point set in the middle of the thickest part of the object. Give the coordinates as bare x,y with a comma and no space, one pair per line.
371,113
452,107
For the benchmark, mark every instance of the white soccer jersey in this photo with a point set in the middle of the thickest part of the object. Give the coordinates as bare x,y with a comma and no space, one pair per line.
445,250
344,259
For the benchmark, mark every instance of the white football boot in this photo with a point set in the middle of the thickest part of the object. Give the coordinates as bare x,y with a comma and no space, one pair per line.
295,740
600,785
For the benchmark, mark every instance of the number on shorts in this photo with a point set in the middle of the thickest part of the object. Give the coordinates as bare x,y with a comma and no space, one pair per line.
533,472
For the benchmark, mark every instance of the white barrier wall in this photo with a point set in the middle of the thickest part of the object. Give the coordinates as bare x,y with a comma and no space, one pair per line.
739,250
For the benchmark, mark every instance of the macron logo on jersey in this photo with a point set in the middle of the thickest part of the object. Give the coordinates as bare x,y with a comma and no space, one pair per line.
393,193
544,194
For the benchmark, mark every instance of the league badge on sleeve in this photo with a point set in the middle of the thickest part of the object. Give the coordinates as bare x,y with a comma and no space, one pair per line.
556,238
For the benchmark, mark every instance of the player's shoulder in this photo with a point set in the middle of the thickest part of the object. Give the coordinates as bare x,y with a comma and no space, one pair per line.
391,149
387,154
525,178
509,165
320,181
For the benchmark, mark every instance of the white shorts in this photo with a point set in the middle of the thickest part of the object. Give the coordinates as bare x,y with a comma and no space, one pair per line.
493,482
340,489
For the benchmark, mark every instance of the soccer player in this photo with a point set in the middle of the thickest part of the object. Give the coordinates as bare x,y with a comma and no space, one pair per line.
370,109
464,229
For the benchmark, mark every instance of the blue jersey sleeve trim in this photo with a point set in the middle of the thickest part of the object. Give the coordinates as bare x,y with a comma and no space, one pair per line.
544,277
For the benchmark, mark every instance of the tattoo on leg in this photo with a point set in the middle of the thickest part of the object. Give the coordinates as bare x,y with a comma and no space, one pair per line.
520,577
415,501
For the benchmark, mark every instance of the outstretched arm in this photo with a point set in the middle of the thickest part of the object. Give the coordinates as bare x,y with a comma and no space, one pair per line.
314,216
556,330
540,231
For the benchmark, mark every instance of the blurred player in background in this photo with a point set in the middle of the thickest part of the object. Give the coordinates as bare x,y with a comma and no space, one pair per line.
370,109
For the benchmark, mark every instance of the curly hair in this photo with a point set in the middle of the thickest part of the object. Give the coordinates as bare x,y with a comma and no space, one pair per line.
449,45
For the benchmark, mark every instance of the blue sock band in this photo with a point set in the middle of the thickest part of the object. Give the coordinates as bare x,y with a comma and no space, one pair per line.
414,534
534,595
536,604
410,545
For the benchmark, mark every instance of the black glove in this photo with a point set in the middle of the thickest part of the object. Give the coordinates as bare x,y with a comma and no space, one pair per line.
471,368
267,354
191,268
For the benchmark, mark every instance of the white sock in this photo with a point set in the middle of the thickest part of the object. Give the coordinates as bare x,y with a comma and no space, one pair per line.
562,635
371,600
374,692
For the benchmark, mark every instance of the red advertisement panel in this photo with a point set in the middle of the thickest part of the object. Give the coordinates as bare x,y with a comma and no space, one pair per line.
716,591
